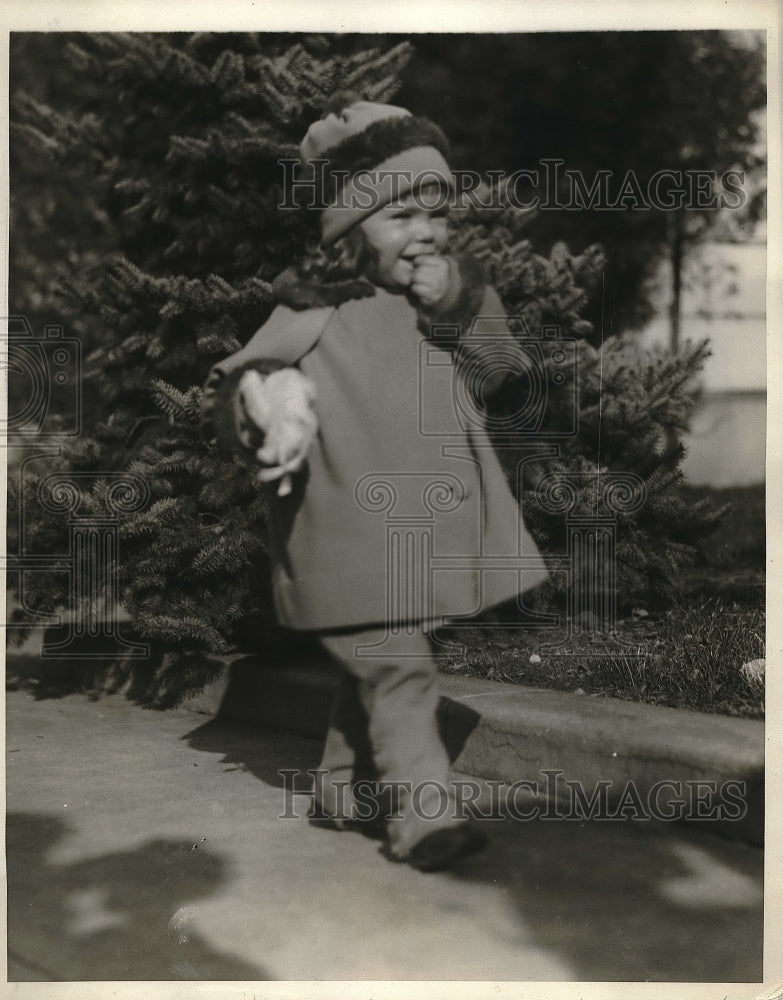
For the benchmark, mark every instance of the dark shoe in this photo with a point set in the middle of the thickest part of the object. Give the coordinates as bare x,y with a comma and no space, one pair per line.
441,848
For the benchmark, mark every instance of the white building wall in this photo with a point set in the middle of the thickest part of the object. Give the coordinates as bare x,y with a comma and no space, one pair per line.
724,301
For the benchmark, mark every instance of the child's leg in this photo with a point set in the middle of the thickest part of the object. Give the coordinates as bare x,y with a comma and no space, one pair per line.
398,690
347,755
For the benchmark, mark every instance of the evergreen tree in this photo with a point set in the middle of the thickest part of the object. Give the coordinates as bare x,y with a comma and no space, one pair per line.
614,409
171,143
633,102
179,145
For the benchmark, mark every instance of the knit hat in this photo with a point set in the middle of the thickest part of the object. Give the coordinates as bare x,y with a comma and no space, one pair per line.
375,153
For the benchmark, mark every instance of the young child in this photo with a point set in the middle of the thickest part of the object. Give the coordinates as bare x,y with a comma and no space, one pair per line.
389,509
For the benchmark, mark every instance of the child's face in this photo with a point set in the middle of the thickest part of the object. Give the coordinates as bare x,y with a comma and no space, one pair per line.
405,230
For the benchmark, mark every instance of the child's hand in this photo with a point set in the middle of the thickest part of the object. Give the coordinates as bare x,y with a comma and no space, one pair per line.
280,405
430,280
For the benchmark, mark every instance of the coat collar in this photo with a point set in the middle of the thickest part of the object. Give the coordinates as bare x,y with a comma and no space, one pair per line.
299,294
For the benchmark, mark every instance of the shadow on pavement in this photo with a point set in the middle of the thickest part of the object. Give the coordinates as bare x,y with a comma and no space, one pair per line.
614,900
244,747
129,915
631,901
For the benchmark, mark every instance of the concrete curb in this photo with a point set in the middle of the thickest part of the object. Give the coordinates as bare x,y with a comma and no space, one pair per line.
509,734
503,733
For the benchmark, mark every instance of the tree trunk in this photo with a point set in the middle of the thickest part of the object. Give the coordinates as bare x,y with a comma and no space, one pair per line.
677,221
678,247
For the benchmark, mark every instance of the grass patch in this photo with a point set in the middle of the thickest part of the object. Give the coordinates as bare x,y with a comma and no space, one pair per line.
689,656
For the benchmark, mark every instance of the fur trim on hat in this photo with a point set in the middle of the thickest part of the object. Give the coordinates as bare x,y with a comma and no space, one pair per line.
382,139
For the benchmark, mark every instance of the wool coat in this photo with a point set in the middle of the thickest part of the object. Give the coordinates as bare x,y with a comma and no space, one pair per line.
402,512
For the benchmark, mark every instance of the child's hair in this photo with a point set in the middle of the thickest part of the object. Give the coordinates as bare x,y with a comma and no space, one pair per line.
351,256
348,258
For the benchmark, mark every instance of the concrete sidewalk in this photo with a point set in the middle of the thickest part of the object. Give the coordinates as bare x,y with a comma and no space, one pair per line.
502,732
507,732
147,845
